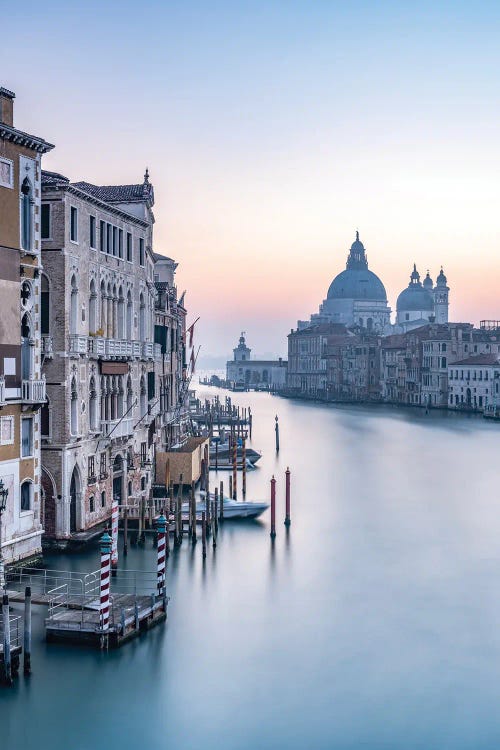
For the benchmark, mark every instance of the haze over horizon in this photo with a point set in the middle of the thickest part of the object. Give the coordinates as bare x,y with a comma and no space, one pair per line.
274,130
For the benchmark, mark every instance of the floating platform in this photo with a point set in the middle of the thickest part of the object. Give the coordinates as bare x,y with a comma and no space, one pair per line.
130,616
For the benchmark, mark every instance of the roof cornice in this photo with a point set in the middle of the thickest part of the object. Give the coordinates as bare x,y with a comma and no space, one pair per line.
9,133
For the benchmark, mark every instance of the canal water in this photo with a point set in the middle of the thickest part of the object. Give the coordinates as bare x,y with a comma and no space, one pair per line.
374,623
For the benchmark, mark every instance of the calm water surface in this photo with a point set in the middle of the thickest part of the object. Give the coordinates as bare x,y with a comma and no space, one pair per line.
375,623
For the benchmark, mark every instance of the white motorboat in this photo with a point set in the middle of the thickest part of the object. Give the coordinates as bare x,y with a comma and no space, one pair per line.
233,508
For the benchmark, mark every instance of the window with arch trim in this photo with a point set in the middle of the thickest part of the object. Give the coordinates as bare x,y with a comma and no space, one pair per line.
26,495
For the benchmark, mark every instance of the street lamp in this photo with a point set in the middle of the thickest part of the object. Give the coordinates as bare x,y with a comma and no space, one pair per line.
4,492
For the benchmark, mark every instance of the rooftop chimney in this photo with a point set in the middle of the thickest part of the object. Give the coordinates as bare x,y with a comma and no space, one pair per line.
7,106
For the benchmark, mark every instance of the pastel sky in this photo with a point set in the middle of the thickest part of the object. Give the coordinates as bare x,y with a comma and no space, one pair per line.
272,130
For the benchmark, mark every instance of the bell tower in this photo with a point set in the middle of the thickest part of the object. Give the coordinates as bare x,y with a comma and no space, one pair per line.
242,352
441,303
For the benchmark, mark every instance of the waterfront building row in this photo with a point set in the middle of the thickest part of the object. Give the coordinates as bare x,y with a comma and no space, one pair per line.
93,378
450,365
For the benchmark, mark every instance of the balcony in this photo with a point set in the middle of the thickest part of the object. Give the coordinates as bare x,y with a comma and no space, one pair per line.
33,391
77,344
157,351
147,350
47,349
2,391
136,349
96,346
119,348
117,428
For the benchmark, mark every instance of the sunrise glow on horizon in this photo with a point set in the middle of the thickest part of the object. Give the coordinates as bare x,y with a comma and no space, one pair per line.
274,130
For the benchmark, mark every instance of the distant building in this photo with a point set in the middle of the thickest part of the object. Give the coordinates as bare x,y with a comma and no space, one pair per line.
307,364
22,387
474,382
255,372
419,303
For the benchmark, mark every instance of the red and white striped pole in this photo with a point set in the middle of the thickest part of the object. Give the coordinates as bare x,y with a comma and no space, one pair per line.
105,581
273,507
161,526
114,535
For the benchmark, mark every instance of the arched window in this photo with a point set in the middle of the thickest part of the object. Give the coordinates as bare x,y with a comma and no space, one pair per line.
73,311
45,420
142,318
103,499
93,308
74,408
130,312
103,399
121,398
45,305
92,503
26,347
129,491
114,394
103,308
143,403
129,395
114,332
121,314
26,215
92,404
27,495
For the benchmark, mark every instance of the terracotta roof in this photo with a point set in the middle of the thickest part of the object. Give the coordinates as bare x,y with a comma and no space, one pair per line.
478,359
53,178
117,193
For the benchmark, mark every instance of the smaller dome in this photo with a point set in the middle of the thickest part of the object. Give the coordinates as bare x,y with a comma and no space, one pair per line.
441,279
415,298
428,282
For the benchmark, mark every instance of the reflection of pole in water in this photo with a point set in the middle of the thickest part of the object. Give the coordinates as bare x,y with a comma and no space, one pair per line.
273,507
287,497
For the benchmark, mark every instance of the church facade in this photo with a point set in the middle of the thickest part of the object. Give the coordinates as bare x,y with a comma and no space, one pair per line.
357,299
251,373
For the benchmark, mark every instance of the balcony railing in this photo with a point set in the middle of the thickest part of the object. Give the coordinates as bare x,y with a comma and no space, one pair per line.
47,349
157,351
78,344
96,346
116,428
33,391
2,390
147,350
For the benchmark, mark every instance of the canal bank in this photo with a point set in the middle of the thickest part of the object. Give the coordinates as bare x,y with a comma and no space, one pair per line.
373,623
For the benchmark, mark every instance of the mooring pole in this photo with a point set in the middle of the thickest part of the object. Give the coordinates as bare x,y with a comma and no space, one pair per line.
7,666
277,432
27,630
204,534
105,582
235,467
273,507
114,535
221,507
125,531
244,464
287,497
161,526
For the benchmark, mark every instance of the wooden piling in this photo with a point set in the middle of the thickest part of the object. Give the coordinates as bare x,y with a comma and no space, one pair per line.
235,467
287,497
230,486
27,630
204,534
125,532
244,465
7,665
273,507
277,434
221,506
215,517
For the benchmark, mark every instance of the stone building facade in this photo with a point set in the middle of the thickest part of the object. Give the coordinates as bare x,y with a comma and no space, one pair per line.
172,366
97,309
242,370
22,387
307,364
474,382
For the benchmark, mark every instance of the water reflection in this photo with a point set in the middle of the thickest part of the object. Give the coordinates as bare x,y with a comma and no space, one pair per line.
370,622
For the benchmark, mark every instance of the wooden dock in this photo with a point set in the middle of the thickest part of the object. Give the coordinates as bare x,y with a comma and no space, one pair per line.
130,615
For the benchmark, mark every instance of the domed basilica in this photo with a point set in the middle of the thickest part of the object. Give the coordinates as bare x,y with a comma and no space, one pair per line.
357,297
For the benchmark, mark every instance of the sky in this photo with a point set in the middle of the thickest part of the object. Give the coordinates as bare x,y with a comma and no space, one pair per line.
272,131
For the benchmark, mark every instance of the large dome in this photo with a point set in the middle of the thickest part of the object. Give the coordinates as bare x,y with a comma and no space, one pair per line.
357,284
415,298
